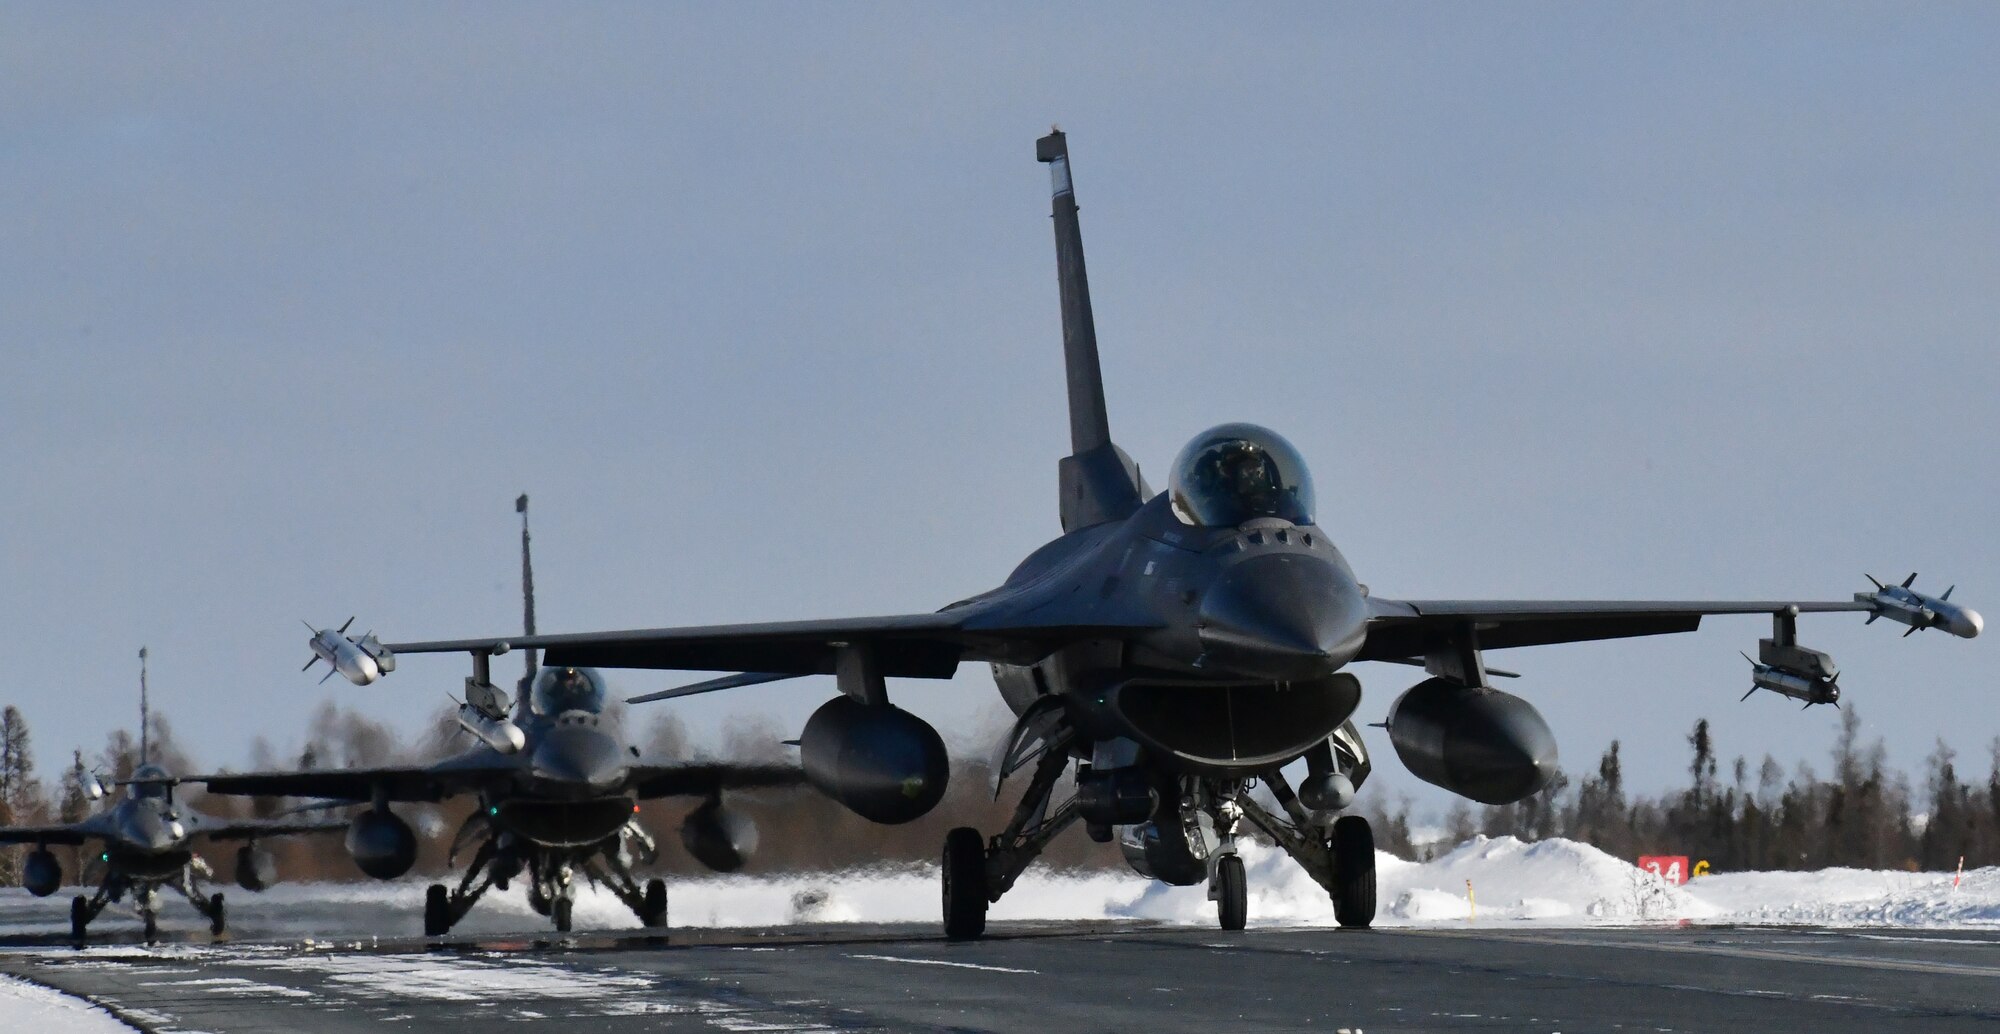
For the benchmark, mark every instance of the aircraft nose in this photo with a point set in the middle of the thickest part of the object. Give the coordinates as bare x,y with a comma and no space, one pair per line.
1285,616
585,757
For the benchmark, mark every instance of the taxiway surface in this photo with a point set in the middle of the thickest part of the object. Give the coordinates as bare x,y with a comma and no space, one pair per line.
1062,978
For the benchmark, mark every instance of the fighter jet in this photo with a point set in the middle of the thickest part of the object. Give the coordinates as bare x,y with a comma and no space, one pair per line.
557,785
147,842
1171,650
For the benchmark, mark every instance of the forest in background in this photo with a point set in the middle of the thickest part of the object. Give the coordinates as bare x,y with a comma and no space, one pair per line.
1737,816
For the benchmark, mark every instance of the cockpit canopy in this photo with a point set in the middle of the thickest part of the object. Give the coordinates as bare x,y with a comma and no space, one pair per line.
1236,472
567,689
149,781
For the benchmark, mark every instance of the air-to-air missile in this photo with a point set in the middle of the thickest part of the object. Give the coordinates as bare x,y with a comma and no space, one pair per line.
1788,669
360,661
1920,610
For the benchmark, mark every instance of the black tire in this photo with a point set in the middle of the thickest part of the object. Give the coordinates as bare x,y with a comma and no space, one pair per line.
152,927
559,910
1232,893
437,911
964,877
656,904
1353,893
79,917
218,919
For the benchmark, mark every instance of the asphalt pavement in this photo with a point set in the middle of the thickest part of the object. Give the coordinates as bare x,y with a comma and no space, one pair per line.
1057,978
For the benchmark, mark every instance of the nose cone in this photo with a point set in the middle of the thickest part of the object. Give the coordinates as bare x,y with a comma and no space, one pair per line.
1965,623
579,756
357,667
1285,616
148,830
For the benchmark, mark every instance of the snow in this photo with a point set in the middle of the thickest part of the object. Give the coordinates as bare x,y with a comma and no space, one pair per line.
1484,881
26,1006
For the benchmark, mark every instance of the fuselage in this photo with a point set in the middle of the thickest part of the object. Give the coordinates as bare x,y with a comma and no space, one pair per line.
1251,625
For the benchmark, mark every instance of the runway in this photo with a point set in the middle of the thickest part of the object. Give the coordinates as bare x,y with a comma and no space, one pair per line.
1058,978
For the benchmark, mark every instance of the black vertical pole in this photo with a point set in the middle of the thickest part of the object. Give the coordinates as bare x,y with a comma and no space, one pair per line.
528,656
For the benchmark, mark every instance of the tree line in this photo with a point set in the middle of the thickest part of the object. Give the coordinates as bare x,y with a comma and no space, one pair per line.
1860,814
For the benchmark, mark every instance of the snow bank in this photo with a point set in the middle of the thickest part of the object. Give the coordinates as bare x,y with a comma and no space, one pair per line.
32,1007
1550,883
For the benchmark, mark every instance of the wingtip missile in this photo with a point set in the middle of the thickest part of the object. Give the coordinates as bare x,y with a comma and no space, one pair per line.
360,661
1903,604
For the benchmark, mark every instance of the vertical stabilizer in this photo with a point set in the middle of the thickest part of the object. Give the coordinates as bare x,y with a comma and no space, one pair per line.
1099,482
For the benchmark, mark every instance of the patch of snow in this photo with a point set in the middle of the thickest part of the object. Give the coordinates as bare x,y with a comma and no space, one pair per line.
26,1006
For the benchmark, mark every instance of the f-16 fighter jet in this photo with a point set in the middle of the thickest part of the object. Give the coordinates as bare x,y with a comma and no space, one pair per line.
1172,649
146,843
558,787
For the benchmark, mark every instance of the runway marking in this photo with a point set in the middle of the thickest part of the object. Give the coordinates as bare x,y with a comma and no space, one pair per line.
941,962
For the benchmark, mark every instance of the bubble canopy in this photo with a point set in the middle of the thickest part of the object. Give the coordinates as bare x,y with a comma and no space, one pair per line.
1237,472
567,689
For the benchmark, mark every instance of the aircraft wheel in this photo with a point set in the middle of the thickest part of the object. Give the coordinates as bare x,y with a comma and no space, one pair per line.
79,916
964,884
1232,893
656,903
560,909
437,911
1353,872
538,900
152,927
218,920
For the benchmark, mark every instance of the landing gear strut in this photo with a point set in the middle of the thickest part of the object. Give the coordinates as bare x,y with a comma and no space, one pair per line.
976,873
1343,864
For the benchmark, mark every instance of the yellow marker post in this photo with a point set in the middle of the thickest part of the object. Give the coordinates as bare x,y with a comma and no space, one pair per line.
1471,903
1700,868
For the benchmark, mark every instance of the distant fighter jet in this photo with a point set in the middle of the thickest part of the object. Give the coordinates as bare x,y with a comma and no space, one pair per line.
558,787
147,842
1173,650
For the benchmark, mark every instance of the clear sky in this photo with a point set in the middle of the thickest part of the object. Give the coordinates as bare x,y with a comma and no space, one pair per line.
758,303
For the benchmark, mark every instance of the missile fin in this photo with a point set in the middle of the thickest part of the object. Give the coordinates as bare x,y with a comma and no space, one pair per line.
1878,582
328,675
1912,578
310,663
1914,629
350,618
1871,617
1947,594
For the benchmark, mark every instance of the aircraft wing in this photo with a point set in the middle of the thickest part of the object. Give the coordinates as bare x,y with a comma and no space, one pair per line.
926,646
702,779
1410,628
428,784
64,834
250,829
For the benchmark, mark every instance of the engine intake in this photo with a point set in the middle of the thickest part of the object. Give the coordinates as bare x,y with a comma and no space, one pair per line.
1477,742
884,763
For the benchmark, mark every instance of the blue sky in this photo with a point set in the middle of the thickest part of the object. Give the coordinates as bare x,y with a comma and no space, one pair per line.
758,303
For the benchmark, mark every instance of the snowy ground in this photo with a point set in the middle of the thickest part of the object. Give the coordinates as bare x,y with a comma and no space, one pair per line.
1551,883
30,1007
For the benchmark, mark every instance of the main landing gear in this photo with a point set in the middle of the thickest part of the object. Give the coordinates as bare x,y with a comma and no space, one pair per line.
977,872
146,901
551,885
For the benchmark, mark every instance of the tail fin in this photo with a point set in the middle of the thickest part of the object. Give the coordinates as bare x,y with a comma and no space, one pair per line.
1099,482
